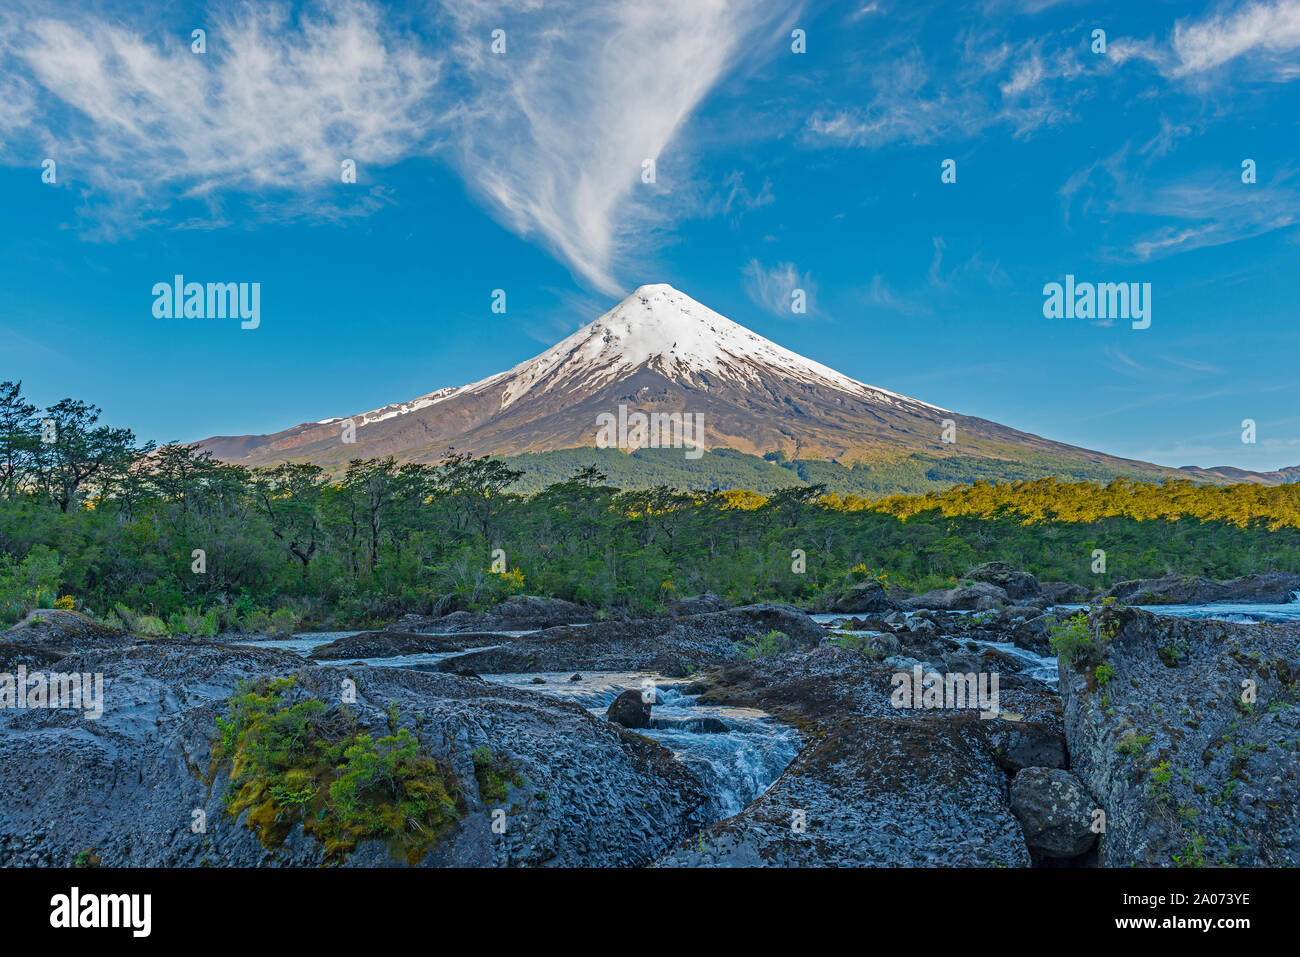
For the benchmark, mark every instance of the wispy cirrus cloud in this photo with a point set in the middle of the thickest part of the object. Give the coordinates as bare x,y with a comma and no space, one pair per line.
1151,213
276,103
1022,86
1262,36
555,131
1210,210
551,133
772,287
881,294
1266,31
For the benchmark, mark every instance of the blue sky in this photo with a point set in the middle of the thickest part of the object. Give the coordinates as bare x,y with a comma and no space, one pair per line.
522,171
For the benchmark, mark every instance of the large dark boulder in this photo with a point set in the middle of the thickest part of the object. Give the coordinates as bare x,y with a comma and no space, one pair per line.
1065,593
876,785
1055,811
701,605
520,613
630,709
1027,744
979,596
1017,584
1272,588
864,597
392,644
72,630
48,634
582,791
674,647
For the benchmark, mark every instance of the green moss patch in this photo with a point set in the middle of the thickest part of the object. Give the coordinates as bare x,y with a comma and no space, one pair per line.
302,763
494,775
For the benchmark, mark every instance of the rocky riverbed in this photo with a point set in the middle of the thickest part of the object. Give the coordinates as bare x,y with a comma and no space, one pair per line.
542,734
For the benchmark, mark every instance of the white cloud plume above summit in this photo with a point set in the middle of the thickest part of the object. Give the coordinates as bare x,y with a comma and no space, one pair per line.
551,134
556,130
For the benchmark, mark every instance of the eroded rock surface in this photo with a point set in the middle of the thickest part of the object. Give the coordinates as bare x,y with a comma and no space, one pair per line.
876,785
576,790
1186,770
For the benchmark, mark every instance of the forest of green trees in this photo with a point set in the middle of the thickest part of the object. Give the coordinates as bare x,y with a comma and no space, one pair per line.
169,539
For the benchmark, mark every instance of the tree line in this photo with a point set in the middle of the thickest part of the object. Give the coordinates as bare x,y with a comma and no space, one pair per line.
170,539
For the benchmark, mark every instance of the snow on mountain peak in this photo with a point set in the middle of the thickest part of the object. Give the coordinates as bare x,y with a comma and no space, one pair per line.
662,328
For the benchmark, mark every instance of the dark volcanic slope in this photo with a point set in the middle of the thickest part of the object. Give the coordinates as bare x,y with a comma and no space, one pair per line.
661,351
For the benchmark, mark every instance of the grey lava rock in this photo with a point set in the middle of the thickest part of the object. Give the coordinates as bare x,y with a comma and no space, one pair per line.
1065,593
1187,771
702,605
869,597
979,596
1023,744
1055,811
876,785
1017,584
630,710
1269,588
581,791
520,613
671,646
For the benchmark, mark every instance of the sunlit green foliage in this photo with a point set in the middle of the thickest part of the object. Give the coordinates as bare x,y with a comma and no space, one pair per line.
294,762
293,546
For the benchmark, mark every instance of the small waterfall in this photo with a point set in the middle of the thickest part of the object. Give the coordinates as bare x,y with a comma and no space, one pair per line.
736,752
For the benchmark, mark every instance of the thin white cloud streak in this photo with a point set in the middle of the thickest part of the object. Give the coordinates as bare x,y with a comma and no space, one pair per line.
997,84
556,129
1215,213
1263,29
551,134
270,105
1202,209
880,294
772,286
1261,36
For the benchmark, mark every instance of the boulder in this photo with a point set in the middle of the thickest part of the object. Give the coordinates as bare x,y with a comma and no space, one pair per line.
1025,744
1273,588
1055,811
48,634
392,644
519,613
630,710
1065,593
863,597
701,605
672,646
1034,634
1017,584
71,630
866,624
583,792
979,596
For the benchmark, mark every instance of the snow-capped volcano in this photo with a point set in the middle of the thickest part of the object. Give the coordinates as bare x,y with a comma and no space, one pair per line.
662,329
656,328
659,351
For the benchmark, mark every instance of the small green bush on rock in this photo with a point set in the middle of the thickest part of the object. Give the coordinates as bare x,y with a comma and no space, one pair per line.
299,763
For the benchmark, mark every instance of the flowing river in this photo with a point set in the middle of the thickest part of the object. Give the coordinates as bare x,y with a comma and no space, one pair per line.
736,752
